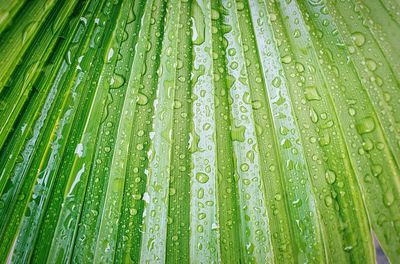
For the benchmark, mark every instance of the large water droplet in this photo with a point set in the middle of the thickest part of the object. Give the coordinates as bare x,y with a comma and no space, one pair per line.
286,59
142,99
202,177
330,176
117,81
311,93
358,38
238,133
365,125
276,82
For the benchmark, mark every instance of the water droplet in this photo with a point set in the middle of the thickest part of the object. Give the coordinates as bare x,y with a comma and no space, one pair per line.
142,99
110,54
376,170
365,125
311,93
117,81
286,59
201,216
250,248
352,111
290,164
388,197
276,82
21,197
328,200
313,115
202,177
256,105
330,176
250,155
299,67
324,139
139,146
358,38
200,193
280,100
214,14
246,181
133,212
177,104
238,133
206,126
368,145
172,191
371,64
297,203
239,6
286,143
244,167
234,65
348,248
297,33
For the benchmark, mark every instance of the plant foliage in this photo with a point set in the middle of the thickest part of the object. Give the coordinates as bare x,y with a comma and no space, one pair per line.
200,131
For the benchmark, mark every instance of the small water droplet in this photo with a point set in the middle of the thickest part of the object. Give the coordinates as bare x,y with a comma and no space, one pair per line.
352,111
313,115
388,198
297,203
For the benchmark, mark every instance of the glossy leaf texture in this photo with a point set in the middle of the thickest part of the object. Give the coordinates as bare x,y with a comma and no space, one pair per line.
199,131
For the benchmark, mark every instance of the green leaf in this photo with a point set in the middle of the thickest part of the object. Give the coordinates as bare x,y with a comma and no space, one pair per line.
199,131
